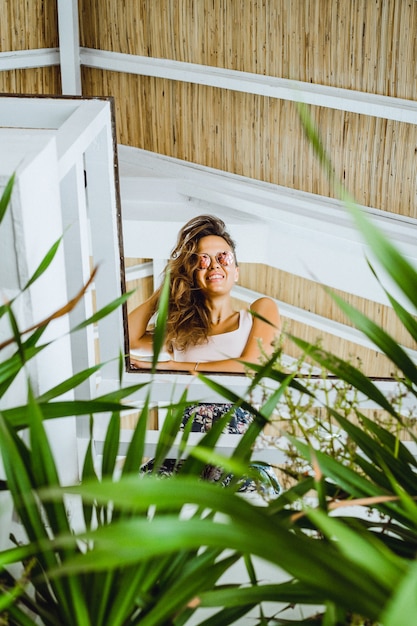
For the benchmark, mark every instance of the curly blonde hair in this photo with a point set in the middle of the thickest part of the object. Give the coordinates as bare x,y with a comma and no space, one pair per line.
189,319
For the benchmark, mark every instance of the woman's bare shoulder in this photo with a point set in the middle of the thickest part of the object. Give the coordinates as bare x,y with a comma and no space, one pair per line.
267,308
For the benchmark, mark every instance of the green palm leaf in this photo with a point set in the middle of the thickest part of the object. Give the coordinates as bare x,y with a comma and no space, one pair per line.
44,264
380,338
345,371
6,195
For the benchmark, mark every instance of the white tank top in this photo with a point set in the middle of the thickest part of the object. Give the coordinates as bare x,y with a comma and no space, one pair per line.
218,347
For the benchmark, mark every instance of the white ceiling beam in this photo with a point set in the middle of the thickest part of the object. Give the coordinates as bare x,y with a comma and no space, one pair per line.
374,105
69,47
71,56
26,59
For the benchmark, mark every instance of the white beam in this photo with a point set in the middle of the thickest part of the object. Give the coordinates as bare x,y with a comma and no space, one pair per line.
25,59
375,105
80,130
69,47
34,113
37,225
71,57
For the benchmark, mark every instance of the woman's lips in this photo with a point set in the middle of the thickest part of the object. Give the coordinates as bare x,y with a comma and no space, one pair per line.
215,276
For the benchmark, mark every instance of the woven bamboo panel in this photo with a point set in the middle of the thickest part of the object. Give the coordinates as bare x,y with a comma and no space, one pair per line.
370,362
311,296
355,44
42,80
262,138
130,420
28,24
132,262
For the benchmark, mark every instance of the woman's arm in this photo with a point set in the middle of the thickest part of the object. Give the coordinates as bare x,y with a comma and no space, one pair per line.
223,366
264,332
138,321
261,339
261,331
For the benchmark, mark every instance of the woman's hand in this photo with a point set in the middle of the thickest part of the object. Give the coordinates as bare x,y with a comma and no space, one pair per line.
166,366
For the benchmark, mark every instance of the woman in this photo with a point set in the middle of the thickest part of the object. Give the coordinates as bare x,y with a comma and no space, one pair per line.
204,332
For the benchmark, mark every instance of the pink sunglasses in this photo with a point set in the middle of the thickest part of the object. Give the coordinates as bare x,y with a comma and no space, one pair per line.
223,258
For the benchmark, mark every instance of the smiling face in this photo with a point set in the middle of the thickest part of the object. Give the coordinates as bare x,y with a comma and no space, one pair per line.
216,279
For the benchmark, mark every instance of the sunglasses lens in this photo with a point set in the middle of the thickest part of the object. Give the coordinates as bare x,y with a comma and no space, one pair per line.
203,261
225,258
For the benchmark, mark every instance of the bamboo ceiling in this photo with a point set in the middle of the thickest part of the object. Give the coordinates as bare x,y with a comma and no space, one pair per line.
28,25
356,44
352,44
262,137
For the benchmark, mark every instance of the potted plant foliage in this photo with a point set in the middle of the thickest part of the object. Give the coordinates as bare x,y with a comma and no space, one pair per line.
160,585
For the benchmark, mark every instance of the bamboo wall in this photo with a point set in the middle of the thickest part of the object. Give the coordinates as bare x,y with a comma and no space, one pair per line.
29,25
354,44
42,80
262,138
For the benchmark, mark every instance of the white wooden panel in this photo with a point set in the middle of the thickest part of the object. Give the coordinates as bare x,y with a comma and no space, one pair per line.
69,47
36,215
76,135
24,59
45,113
77,258
269,86
103,211
80,129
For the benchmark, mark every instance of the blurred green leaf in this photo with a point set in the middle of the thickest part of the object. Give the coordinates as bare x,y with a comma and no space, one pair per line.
402,608
44,264
394,263
362,549
169,430
103,312
379,338
6,195
69,384
321,569
17,416
345,371
111,445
